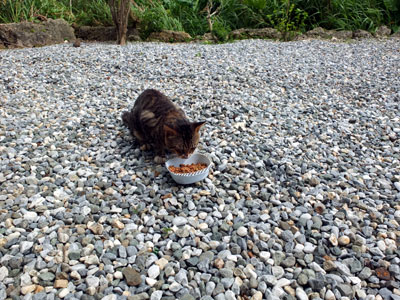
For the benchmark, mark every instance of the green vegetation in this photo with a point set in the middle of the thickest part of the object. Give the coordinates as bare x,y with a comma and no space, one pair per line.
81,12
196,16
154,17
166,230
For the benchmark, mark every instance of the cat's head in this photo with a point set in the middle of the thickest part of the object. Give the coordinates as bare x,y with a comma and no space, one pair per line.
182,139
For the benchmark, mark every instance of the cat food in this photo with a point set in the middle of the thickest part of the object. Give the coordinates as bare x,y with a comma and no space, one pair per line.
187,168
197,164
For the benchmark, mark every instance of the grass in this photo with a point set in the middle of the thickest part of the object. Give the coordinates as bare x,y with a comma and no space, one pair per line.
93,12
191,15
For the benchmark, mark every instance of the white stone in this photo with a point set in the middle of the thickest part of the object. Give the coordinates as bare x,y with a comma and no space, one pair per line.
118,275
186,254
361,294
150,281
343,268
232,257
92,281
91,290
308,247
214,244
4,273
282,282
202,215
64,292
25,279
60,194
301,294
317,268
25,246
85,210
333,240
257,296
110,297
203,226
63,237
298,248
329,295
162,262
28,289
249,272
278,271
306,216
153,271
156,295
92,260
355,280
381,245
265,255
278,292
242,231
30,216
174,287
229,295
179,221
75,275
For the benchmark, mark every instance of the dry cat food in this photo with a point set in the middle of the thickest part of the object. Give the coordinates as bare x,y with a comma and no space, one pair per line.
182,169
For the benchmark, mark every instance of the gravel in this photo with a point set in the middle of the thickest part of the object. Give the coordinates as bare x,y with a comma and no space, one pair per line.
303,200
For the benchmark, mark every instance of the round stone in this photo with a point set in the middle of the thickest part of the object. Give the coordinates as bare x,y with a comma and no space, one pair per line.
242,231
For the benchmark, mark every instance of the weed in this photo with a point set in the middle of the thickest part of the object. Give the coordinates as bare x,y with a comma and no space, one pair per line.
221,30
288,16
166,230
288,19
82,12
155,19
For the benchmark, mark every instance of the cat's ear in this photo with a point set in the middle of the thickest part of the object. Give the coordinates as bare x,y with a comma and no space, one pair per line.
169,131
198,125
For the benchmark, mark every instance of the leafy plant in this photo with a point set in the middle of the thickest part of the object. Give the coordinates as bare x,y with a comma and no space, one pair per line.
86,12
288,19
287,16
220,30
92,13
190,14
351,15
155,18
166,230
246,14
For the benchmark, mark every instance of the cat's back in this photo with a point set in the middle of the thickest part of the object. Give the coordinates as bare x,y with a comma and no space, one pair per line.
155,102
151,98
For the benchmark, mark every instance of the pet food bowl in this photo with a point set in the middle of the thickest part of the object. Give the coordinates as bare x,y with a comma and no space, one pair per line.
188,178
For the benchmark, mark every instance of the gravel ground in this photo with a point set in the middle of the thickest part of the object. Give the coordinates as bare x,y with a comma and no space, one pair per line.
303,201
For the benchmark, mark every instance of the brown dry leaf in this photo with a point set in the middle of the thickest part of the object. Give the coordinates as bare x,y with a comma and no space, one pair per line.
327,257
169,195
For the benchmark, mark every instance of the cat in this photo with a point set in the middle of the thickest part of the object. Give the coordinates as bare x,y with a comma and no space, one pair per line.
158,123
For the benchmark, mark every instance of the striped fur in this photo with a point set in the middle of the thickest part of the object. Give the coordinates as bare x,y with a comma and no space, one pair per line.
154,120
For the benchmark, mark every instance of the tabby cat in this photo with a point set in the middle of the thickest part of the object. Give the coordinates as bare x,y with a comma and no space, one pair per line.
158,123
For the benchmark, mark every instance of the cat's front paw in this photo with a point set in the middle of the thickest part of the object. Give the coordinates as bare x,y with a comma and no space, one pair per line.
159,159
145,147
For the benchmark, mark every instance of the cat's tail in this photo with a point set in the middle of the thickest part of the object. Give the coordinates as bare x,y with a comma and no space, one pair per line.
126,118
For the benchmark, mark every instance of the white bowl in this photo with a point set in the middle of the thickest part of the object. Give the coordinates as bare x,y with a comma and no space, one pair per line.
188,178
